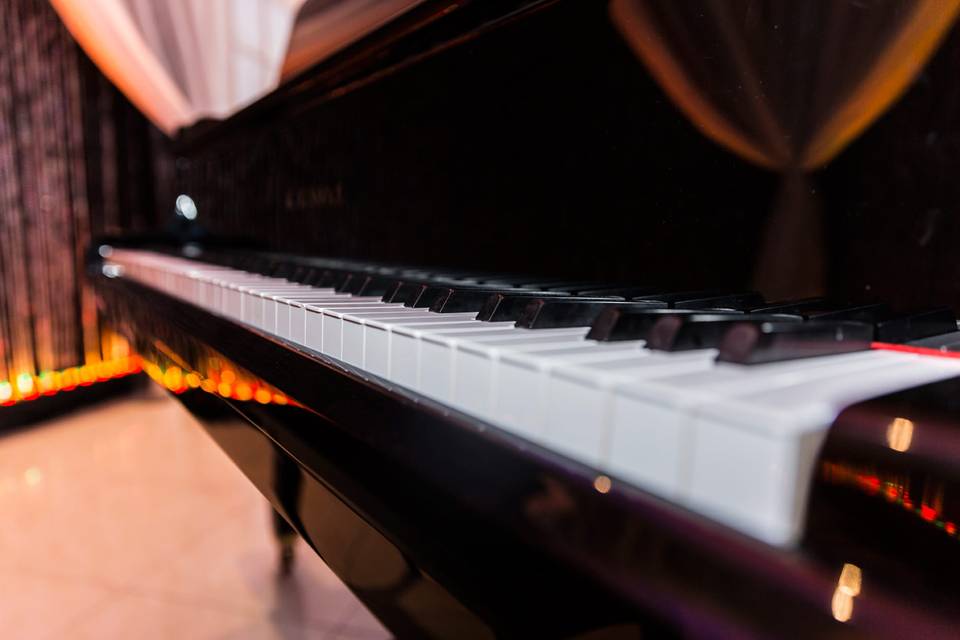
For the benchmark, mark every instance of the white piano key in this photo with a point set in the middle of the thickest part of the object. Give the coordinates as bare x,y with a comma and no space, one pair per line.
661,411
406,342
437,353
354,344
377,336
753,456
525,374
474,361
333,315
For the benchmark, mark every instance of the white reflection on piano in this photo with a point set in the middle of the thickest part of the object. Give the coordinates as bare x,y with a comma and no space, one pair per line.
848,587
900,434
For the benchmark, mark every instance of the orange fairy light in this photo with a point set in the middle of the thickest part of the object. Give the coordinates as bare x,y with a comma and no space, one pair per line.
71,378
47,383
88,375
173,378
26,386
6,392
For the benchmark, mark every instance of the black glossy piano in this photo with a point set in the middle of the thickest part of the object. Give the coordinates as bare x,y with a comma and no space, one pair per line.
535,321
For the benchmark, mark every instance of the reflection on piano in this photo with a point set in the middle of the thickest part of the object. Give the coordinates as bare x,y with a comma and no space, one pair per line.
729,408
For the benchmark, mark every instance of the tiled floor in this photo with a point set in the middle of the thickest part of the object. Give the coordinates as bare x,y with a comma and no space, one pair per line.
127,521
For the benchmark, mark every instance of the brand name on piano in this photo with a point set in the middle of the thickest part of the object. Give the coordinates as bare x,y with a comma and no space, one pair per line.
315,197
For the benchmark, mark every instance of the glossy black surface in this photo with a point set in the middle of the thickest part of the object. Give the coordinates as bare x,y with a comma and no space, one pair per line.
886,495
480,137
461,524
749,343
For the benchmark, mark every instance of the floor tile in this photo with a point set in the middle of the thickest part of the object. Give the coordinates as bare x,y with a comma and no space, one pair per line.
127,521
37,607
152,618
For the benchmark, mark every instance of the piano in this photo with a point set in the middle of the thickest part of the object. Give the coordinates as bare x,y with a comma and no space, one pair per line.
498,333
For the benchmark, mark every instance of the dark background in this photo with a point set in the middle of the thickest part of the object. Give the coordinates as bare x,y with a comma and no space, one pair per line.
541,145
544,146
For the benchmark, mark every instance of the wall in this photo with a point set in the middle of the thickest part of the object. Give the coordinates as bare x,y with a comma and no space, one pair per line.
75,161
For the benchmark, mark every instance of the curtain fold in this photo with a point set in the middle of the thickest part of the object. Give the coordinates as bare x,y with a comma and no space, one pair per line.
785,85
106,31
182,60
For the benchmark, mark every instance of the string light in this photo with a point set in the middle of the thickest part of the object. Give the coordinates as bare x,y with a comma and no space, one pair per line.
220,379
25,387
225,382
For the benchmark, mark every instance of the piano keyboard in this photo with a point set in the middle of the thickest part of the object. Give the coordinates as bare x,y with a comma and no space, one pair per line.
717,402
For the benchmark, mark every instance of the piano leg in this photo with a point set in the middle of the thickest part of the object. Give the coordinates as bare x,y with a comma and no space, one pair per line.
286,481
286,537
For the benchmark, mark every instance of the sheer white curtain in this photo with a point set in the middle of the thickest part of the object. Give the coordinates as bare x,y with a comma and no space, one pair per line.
182,60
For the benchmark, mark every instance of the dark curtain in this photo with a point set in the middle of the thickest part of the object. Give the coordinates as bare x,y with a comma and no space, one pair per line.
786,85
76,160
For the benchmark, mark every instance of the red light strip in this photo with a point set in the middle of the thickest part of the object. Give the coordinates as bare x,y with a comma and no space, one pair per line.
922,351
893,491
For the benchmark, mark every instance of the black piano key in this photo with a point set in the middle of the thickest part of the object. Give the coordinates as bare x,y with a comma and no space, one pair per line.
831,311
334,278
439,295
464,299
686,332
905,327
405,292
563,286
627,292
618,323
281,270
707,300
543,313
303,274
351,283
508,280
732,302
372,285
508,307
793,306
542,284
757,343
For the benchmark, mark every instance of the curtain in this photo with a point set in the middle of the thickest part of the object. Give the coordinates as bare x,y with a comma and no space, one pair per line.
785,85
182,60
325,26
62,162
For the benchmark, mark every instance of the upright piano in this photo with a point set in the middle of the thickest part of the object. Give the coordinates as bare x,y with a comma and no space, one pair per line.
527,337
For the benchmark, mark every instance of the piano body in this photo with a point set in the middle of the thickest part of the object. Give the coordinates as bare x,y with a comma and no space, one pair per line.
472,303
